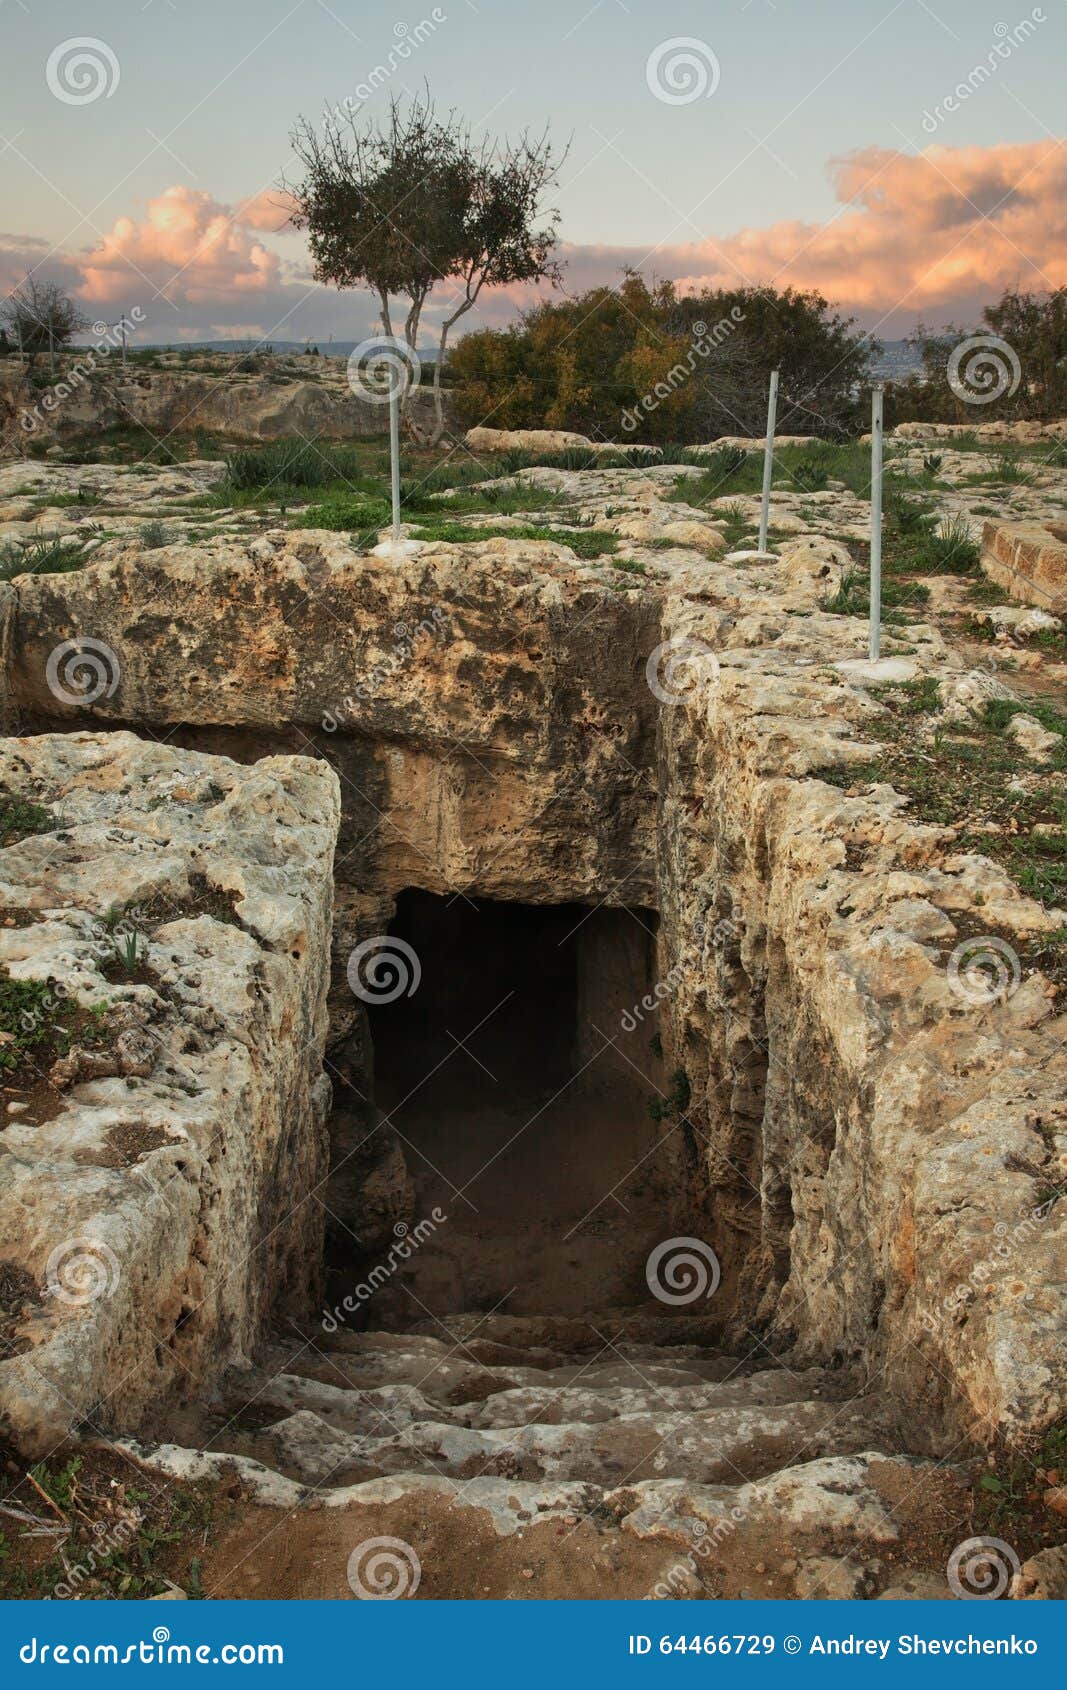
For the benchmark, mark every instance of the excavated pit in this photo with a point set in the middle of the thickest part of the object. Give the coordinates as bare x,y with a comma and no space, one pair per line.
524,777
519,1079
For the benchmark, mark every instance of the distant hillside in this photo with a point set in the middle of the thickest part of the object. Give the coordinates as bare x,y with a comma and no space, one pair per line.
899,359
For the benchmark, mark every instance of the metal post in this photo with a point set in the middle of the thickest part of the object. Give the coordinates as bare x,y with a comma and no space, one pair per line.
394,449
877,393
768,461
51,349
124,340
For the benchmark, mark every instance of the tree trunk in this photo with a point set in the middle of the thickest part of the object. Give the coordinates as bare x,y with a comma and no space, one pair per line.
438,397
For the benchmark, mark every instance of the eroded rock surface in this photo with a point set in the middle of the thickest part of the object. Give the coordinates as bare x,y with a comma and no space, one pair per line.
174,924
876,1155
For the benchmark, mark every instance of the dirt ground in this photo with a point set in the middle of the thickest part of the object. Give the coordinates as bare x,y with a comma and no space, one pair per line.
265,1553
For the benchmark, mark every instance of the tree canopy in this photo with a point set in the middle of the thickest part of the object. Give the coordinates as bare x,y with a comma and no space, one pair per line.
41,316
403,205
1026,376
644,363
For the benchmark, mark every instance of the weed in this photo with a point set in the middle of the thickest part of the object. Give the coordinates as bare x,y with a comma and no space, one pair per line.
126,950
810,477
966,776
154,535
346,514
287,464
121,1540
583,542
1010,1493
1007,472
48,555
37,1019
949,549
18,819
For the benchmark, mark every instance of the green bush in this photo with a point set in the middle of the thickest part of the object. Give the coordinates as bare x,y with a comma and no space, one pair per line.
811,478
639,361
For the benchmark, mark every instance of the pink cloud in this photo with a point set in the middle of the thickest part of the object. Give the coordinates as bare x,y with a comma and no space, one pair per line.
270,211
191,248
937,234
933,235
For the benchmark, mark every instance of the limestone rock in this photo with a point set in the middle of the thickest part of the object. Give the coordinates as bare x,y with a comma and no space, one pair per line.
917,1586
830,1578
964,697
1028,559
1043,1578
1037,742
146,1198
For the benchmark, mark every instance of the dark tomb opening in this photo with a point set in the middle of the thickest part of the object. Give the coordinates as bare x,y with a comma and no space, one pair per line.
523,1097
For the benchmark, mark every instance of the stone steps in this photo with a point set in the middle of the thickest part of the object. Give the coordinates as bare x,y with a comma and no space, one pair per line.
726,1464
832,1527
456,1373
386,1404
715,1446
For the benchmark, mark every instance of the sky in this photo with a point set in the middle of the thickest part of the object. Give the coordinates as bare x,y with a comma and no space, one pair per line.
907,158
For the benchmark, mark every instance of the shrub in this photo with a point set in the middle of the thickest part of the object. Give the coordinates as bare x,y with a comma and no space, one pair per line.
49,555
949,549
641,361
293,463
810,478
346,515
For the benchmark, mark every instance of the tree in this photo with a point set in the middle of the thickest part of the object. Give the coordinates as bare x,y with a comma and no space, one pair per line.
404,205
379,205
41,316
1035,327
497,238
1027,373
640,362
